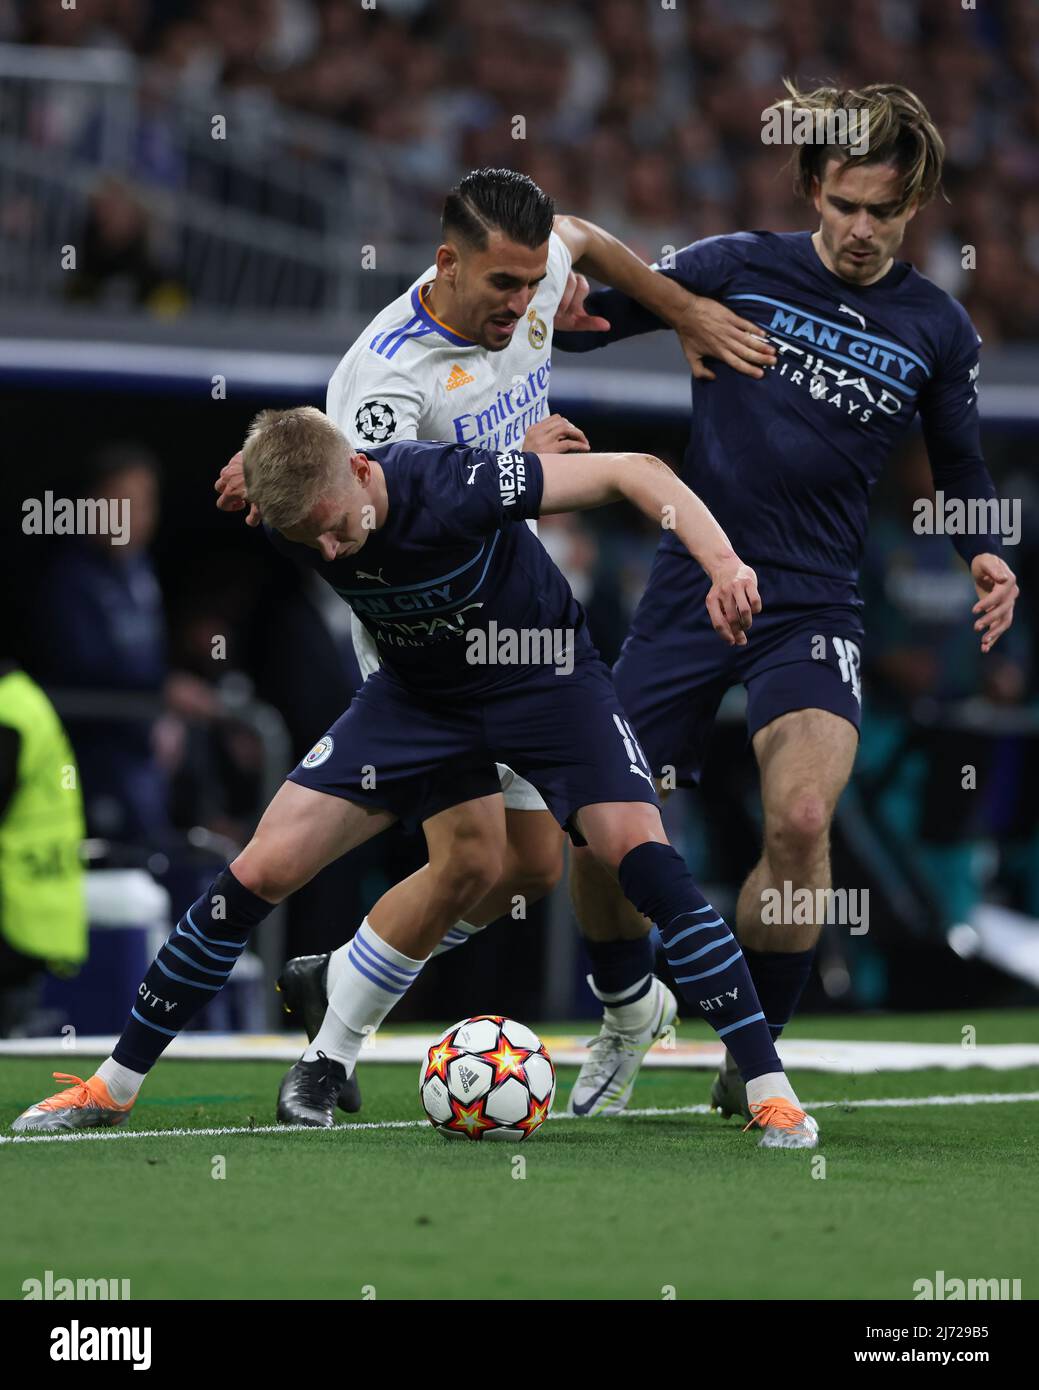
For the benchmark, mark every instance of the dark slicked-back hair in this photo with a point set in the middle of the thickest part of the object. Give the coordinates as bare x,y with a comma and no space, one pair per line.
497,199
900,133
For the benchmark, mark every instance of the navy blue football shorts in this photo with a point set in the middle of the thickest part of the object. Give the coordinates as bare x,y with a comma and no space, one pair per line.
674,669
415,756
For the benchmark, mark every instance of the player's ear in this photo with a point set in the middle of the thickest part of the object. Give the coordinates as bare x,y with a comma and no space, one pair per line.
447,262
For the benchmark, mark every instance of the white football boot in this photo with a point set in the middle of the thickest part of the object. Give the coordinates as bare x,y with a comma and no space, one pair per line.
607,1078
785,1124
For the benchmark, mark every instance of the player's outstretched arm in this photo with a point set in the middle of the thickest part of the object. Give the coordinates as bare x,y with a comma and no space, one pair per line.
577,482
705,327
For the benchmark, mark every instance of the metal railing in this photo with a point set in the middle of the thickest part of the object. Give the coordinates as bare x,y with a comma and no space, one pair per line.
248,205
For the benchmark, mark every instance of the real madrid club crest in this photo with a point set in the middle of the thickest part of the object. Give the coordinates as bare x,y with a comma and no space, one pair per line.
536,330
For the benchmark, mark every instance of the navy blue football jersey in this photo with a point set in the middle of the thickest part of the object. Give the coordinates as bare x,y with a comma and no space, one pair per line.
453,557
787,463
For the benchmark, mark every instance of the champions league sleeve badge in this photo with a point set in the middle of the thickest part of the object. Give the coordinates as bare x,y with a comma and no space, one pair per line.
375,421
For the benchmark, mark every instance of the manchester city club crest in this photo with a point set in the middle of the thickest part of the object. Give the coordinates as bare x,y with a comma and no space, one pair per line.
536,330
320,753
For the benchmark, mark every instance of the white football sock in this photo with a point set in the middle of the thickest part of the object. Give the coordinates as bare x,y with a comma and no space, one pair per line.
628,1018
458,935
773,1083
123,1084
334,968
368,983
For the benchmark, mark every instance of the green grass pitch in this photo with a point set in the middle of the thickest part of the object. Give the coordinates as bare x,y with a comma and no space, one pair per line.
616,1208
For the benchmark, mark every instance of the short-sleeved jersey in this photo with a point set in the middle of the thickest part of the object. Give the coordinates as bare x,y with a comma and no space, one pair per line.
451,561
409,376
787,463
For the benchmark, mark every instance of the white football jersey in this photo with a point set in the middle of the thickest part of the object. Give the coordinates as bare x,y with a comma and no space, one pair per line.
409,376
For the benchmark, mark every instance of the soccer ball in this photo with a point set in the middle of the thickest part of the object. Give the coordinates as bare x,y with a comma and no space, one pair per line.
487,1078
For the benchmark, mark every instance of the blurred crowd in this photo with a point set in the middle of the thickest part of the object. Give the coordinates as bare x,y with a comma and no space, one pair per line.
643,116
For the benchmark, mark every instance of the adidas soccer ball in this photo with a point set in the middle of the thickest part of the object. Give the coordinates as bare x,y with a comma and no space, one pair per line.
487,1078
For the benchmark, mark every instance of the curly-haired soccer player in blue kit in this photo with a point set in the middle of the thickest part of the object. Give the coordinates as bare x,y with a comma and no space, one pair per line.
485,658
858,344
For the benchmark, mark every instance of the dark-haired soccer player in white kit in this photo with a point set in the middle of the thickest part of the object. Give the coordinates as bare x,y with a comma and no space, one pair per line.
445,525
862,344
464,355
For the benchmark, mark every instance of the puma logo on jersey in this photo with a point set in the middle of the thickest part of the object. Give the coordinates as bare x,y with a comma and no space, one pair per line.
472,471
853,313
375,578
459,377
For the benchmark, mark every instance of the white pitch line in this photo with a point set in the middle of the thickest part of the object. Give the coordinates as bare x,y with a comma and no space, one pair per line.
904,1102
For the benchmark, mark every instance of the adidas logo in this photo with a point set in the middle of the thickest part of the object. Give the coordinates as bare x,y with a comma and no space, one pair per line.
459,377
468,1078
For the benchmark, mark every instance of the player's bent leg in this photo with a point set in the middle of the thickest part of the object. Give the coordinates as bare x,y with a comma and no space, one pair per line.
300,832
638,1009
533,860
704,956
805,758
532,866
466,846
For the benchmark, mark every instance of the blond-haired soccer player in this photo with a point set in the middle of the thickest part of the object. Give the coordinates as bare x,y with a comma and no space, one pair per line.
427,543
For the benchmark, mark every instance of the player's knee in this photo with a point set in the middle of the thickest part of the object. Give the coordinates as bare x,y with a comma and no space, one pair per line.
468,872
616,835
798,830
266,873
537,871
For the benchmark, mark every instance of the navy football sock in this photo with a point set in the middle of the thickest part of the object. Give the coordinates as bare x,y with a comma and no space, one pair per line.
704,956
779,978
192,966
622,971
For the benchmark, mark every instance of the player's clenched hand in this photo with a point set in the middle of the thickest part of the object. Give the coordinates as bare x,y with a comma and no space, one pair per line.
570,315
230,489
555,435
733,600
997,593
709,329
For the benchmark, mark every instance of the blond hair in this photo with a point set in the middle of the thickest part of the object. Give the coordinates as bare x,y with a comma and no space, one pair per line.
901,132
290,458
